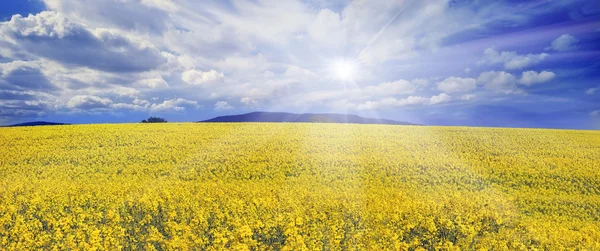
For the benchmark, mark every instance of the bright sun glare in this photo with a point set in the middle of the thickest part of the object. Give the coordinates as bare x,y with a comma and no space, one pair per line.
344,70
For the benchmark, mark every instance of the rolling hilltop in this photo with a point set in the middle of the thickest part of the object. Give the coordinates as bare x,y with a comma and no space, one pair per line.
36,123
305,117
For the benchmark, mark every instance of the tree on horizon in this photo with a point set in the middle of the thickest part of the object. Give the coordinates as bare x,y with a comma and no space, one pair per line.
154,120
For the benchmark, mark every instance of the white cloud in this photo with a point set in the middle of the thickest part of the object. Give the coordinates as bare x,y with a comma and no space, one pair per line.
392,89
125,106
532,77
92,103
441,98
273,20
499,81
506,83
595,113
243,63
591,91
202,41
156,82
24,76
19,109
223,106
168,6
248,101
195,77
178,104
71,43
26,108
141,102
394,102
143,16
455,84
121,91
420,82
268,74
88,102
327,28
565,42
510,59
468,97
395,30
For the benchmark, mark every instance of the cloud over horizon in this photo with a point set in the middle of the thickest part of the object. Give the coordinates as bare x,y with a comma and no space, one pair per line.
100,61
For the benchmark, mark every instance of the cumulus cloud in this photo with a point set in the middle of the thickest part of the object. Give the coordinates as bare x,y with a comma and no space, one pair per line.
467,97
178,104
391,102
156,82
118,90
141,102
510,59
50,35
441,98
532,77
506,83
565,42
88,102
144,15
455,84
17,95
248,101
499,81
11,113
420,82
24,75
25,108
91,103
126,106
195,77
223,106
386,89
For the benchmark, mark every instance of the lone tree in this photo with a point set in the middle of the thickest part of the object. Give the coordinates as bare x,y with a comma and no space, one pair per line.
154,120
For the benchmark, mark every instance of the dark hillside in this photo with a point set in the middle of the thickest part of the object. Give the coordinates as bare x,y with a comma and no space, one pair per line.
305,117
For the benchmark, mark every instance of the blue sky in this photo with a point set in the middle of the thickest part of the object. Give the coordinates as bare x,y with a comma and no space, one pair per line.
437,62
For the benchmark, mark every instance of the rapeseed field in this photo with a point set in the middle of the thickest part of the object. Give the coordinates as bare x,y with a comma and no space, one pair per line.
267,186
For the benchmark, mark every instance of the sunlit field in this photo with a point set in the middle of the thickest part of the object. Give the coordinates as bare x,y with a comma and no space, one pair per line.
265,186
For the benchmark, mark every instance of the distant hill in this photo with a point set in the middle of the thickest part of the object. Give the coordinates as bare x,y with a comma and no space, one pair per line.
305,117
36,123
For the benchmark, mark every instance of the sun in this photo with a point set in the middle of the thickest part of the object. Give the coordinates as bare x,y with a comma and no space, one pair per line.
344,70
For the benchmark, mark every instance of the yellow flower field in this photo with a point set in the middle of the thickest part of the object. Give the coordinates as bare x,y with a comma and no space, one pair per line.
265,186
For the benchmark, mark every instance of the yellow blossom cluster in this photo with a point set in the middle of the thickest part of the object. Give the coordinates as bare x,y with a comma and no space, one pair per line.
300,186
